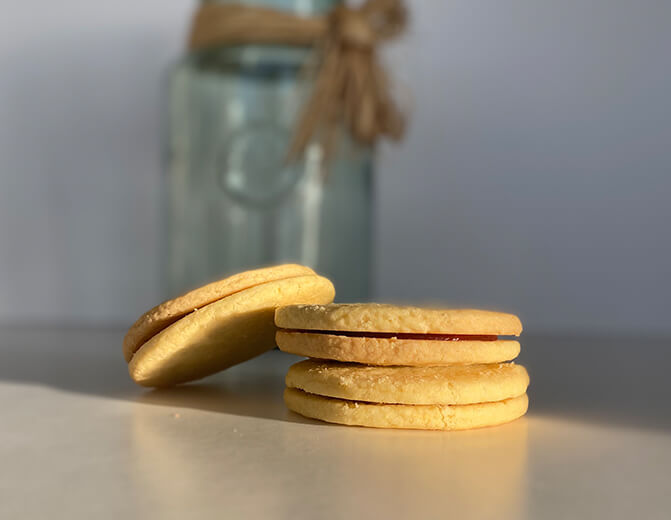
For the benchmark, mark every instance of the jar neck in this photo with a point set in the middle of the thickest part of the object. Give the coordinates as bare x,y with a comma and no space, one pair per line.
302,7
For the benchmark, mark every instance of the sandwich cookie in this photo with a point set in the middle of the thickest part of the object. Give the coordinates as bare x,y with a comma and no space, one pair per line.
160,317
381,334
217,326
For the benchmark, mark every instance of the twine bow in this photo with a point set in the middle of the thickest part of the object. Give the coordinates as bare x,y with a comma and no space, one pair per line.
351,87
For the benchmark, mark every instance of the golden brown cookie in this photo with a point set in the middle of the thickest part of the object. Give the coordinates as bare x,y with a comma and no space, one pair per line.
223,333
394,350
455,384
381,334
163,315
384,318
424,417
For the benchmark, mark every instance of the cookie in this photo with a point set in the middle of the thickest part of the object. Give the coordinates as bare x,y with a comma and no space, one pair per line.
456,384
424,417
394,350
384,318
380,334
165,314
226,332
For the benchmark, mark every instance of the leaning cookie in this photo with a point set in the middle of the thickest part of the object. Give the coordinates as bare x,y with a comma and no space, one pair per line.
228,331
163,315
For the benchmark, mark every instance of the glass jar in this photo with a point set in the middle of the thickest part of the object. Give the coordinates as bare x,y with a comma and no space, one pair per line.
231,200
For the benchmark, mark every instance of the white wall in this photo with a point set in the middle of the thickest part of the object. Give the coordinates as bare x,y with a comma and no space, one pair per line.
79,155
538,167
535,176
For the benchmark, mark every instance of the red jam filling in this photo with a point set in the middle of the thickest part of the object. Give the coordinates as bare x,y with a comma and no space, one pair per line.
401,335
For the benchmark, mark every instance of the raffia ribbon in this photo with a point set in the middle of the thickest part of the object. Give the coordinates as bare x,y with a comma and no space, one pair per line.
351,87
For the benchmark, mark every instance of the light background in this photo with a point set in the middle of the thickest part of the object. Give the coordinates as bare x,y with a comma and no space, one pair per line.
536,175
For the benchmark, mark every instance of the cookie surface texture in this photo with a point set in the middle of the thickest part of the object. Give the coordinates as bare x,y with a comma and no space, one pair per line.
375,317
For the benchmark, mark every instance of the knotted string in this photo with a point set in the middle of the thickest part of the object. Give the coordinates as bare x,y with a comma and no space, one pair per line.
351,86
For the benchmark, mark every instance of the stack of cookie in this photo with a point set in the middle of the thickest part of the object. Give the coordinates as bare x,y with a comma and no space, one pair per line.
388,366
372,365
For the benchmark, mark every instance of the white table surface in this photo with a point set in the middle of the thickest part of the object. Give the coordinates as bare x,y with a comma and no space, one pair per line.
79,440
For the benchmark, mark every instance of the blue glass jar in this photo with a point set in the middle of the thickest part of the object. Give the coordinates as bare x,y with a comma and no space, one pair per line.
231,200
